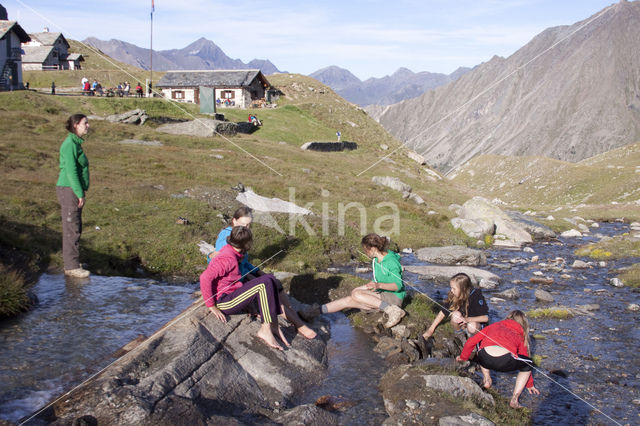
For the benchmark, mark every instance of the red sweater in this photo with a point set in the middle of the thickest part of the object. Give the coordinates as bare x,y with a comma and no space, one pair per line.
506,333
222,276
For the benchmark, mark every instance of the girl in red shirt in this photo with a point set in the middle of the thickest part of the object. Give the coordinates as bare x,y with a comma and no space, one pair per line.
504,346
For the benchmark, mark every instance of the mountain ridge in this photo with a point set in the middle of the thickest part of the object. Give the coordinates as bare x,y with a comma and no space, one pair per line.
199,55
577,96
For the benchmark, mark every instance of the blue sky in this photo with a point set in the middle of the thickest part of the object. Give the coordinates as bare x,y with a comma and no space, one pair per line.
370,38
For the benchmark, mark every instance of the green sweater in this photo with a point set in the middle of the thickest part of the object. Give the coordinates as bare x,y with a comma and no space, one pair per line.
389,271
74,165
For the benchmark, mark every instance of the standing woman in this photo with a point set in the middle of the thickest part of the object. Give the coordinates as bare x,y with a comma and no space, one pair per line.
73,182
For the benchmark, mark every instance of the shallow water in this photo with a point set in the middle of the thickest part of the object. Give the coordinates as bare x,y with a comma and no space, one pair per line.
353,374
597,353
73,332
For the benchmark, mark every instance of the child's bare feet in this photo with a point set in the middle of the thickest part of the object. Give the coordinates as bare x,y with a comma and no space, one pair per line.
307,332
487,382
268,338
275,327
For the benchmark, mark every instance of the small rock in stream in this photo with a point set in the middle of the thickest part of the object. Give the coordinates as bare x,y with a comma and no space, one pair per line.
616,282
579,264
543,296
511,294
633,307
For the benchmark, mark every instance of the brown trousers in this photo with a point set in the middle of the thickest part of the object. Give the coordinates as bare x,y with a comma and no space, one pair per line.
71,227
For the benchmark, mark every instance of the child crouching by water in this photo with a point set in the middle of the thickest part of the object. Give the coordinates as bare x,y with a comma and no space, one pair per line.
504,346
224,293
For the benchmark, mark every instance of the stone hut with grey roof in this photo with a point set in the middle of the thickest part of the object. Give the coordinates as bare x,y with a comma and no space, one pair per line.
232,88
49,51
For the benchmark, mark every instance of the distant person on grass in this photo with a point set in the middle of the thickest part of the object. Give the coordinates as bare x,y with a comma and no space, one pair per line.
225,293
73,182
385,292
243,217
504,346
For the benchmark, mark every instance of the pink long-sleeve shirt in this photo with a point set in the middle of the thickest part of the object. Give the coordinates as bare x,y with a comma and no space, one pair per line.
222,276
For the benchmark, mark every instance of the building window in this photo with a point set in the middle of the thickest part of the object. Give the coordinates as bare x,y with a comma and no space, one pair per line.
177,94
228,94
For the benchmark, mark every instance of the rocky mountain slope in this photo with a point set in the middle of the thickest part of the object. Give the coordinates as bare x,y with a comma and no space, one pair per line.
199,55
390,89
570,93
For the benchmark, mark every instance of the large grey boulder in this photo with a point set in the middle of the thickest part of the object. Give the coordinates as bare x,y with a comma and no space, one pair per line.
391,182
197,370
444,273
471,419
136,116
202,127
507,231
307,414
475,228
458,387
274,205
537,230
452,255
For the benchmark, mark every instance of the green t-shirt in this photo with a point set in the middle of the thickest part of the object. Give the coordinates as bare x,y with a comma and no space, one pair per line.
74,165
389,271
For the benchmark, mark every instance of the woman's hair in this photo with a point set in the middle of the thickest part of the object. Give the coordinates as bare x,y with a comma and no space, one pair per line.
521,318
242,212
375,240
456,303
73,121
241,238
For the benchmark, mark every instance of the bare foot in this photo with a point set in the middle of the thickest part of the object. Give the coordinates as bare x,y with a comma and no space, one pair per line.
268,338
279,331
487,383
514,403
307,332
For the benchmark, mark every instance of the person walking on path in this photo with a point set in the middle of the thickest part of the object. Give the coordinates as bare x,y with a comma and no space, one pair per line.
504,346
71,188
385,292
224,292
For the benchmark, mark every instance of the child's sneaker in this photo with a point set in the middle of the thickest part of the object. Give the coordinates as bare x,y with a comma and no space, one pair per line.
394,314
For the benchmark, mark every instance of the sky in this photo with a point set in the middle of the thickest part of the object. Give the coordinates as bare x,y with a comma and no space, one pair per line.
371,38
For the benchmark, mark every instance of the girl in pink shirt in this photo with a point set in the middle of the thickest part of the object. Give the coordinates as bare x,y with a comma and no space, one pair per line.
224,293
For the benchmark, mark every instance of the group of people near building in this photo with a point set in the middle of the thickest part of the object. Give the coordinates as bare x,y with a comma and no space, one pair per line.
94,88
231,284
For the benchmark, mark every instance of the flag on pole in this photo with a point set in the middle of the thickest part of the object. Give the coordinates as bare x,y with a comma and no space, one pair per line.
153,6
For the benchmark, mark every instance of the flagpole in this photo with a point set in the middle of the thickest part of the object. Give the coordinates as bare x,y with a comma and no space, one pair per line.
149,91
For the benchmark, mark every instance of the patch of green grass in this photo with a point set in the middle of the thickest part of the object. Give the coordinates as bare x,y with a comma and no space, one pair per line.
631,277
555,313
617,247
13,295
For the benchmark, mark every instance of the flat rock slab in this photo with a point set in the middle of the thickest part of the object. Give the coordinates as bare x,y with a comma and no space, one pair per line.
264,204
329,146
452,255
197,370
202,127
444,273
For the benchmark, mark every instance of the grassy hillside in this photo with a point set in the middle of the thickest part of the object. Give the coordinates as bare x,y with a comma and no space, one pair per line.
137,192
96,66
601,187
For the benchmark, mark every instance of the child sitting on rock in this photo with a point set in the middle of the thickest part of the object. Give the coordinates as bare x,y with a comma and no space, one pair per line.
385,292
466,306
504,346
224,292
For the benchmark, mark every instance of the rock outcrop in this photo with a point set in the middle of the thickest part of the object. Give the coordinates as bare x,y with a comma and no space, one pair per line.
202,127
480,213
197,370
136,116
442,274
452,255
